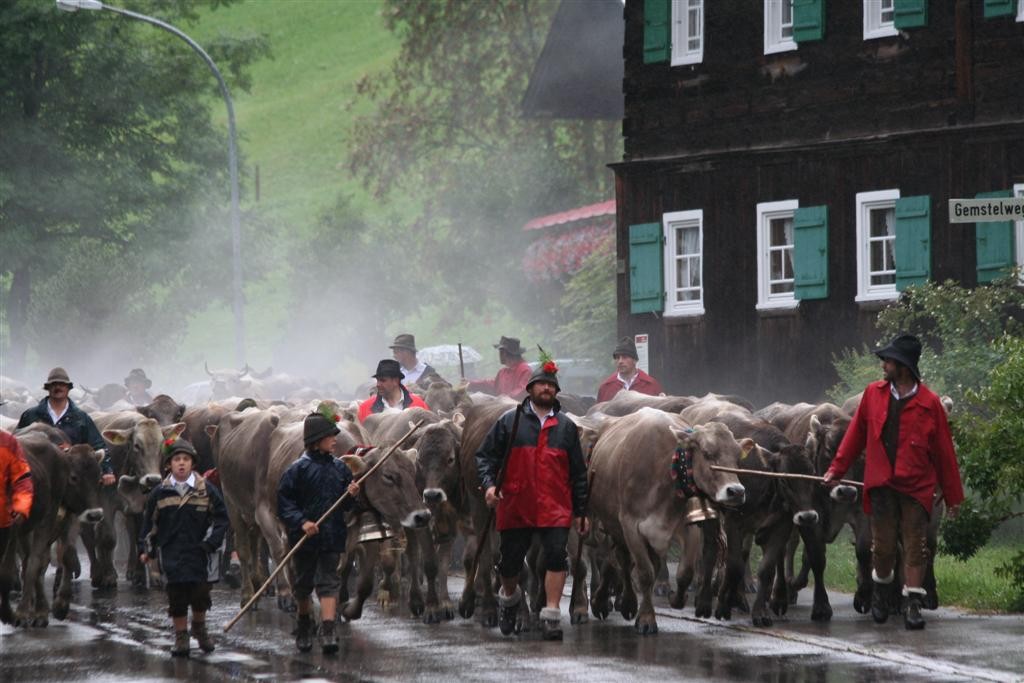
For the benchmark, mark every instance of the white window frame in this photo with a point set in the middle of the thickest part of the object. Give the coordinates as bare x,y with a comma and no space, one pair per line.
773,40
874,27
681,52
1020,10
1018,226
766,211
669,223
867,202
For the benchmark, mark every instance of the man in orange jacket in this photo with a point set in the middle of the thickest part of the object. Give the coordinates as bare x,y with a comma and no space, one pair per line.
15,487
903,425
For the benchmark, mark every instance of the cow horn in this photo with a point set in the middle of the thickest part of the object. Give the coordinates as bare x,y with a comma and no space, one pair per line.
207,367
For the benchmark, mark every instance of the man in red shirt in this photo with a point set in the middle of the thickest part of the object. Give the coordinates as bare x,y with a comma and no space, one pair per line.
627,375
903,425
391,393
511,380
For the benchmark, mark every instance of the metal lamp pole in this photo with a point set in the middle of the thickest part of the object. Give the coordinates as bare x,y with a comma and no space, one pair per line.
236,234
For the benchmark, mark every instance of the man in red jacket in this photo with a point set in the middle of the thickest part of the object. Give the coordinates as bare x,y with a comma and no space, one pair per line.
544,486
512,378
15,487
628,375
391,393
903,425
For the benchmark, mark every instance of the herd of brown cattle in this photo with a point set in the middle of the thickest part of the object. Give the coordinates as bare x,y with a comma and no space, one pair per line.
426,496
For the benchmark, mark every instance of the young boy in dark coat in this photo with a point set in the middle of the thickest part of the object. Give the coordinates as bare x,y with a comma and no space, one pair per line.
183,525
308,488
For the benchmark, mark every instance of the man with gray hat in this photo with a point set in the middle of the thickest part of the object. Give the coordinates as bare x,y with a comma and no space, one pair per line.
136,382
417,373
58,410
909,452
512,378
627,376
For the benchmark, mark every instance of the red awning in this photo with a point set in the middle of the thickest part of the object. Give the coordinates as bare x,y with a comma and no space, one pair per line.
556,255
572,215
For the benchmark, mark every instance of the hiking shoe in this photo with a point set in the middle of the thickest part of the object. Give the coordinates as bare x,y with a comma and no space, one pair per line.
328,637
912,603
181,644
551,623
508,610
304,633
881,601
203,636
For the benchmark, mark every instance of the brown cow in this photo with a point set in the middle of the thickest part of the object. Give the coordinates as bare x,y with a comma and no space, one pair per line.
626,402
634,497
164,409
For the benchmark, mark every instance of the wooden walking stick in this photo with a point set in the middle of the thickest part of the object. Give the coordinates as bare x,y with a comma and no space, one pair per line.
462,366
330,510
579,551
471,575
786,475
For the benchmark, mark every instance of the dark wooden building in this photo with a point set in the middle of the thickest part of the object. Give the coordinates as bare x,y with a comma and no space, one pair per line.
786,174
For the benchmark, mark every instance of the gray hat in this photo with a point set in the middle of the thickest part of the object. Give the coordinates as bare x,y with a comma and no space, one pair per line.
404,341
138,375
58,376
626,347
510,345
179,445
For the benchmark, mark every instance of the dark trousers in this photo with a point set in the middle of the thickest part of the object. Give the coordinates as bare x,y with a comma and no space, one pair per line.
515,543
896,517
181,596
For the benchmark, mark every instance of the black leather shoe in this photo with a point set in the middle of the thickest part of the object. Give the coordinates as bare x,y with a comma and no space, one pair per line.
304,633
328,637
881,602
508,611
912,618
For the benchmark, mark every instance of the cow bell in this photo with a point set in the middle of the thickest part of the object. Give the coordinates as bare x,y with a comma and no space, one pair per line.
371,528
698,510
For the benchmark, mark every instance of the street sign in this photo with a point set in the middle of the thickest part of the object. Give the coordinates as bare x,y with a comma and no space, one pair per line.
995,209
642,344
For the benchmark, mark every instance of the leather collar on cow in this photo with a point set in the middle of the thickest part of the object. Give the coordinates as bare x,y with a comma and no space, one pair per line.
682,473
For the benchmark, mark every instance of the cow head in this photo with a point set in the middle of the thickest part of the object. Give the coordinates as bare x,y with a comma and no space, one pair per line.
442,397
227,383
798,494
391,490
823,439
437,461
82,490
141,468
164,409
714,444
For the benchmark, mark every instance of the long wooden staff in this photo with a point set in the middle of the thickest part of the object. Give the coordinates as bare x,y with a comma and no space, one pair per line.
579,550
284,562
471,575
786,475
462,366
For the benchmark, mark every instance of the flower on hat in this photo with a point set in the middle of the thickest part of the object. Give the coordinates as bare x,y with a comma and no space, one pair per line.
550,367
327,410
547,363
168,445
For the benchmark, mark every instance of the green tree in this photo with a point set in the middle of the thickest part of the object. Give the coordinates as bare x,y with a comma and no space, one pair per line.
588,305
111,173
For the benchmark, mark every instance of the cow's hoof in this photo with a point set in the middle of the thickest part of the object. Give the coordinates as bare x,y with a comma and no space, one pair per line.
779,606
286,604
821,612
22,620
352,611
431,616
6,615
628,608
702,610
41,621
677,600
579,616
447,610
600,607
763,620
862,601
489,619
467,607
416,606
661,589
60,609
646,626
723,612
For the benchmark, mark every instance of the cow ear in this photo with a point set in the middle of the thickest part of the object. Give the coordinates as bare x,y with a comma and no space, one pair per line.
355,463
811,443
211,430
144,411
174,430
746,445
118,437
99,456
686,437
458,419
412,454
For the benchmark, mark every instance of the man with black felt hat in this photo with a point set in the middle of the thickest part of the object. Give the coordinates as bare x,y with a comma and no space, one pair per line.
391,393
543,488
136,382
909,452
512,377
58,410
627,375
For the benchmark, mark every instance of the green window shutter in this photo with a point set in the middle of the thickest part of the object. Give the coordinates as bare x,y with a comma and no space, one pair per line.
910,13
810,253
646,281
913,241
994,243
1000,8
657,31
808,20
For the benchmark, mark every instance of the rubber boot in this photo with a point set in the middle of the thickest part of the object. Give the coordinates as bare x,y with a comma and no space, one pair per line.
551,623
881,598
203,636
181,644
508,610
913,599
304,633
328,637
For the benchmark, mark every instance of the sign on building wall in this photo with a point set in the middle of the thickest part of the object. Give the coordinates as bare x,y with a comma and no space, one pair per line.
642,343
990,210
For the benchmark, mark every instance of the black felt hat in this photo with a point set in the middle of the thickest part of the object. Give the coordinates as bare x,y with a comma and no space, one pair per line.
178,446
388,367
510,345
905,350
317,426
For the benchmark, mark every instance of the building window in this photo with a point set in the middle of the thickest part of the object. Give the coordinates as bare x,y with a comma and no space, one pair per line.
775,254
778,26
876,245
879,19
687,32
1018,191
1020,10
684,248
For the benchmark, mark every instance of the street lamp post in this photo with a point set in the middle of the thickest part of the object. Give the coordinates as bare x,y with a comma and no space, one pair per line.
236,234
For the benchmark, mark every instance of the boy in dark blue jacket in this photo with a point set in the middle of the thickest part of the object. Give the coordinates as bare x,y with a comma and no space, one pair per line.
308,488
183,525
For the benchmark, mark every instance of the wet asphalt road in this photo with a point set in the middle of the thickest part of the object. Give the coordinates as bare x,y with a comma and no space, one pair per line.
126,636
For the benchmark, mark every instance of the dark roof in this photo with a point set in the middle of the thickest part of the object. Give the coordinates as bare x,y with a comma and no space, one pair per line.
579,72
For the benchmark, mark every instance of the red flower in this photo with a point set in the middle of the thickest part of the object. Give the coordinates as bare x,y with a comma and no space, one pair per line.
337,418
169,442
550,367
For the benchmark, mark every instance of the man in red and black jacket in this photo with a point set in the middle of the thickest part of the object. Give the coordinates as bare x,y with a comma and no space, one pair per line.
543,487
